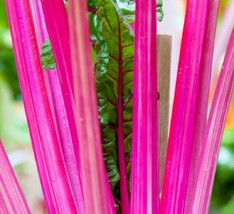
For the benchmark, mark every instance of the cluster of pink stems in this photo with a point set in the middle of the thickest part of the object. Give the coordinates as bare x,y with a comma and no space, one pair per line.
61,109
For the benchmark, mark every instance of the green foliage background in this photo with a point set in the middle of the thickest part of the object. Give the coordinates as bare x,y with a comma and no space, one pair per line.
7,64
13,127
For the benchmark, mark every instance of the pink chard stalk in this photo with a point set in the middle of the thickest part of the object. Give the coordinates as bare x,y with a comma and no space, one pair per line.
64,194
11,196
48,153
214,131
203,95
62,104
94,183
144,183
192,83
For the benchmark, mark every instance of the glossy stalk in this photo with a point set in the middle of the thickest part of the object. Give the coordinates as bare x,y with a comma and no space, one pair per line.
93,173
214,132
64,119
183,122
11,197
144,175
47,150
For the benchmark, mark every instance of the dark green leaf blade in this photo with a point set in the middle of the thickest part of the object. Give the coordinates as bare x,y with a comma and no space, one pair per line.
114,78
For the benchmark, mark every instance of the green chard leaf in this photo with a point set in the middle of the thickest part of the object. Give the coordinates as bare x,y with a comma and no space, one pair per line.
47,56
114,81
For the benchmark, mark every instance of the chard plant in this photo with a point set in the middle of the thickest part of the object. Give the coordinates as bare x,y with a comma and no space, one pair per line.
88,77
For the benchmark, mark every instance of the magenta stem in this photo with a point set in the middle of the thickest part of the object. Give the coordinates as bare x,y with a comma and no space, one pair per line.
144,175
203,96
93,174
183,122
124,195
64,119
48,154
11,197
213,133
57,25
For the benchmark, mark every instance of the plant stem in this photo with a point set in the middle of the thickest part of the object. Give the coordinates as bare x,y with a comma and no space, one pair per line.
64,113
124,198
213,133
47,150
144,176
183,122
203,96
11,197
93,174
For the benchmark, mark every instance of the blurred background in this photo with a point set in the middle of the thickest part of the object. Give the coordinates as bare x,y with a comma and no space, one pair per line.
13,126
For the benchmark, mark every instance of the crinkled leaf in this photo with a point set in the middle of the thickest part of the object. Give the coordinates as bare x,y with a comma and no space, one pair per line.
114,77
47,56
